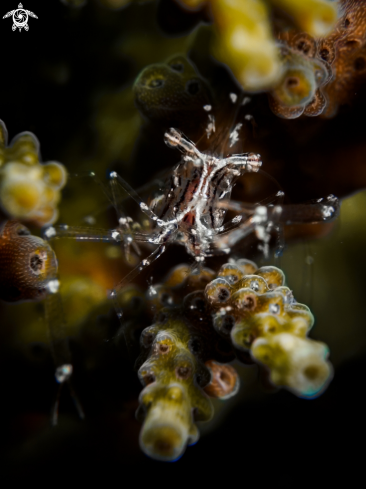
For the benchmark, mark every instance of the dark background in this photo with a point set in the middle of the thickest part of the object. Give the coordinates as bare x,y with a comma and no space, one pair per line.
273,440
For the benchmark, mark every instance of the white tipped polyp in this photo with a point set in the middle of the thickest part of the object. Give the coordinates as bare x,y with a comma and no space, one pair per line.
165,442
165,433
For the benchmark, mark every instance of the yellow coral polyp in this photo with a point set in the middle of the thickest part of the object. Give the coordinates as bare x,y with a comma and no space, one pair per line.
298,91
245,42
26,195
24,148
29,190
296,88
218,291
20,193
264,314
317,17
55,174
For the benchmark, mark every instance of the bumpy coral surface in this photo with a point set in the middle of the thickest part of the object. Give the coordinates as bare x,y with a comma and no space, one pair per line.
27,264
345,48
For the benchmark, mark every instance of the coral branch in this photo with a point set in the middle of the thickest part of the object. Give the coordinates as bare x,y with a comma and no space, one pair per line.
171,400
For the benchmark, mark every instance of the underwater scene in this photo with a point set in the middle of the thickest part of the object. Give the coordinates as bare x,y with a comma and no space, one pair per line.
182,241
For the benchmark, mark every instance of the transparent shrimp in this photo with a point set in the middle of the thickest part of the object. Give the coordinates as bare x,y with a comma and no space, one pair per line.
191,211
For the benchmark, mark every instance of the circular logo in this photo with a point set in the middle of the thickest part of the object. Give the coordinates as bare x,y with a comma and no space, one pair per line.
20,17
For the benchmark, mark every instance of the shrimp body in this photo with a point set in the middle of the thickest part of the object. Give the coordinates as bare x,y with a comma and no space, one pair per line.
197,184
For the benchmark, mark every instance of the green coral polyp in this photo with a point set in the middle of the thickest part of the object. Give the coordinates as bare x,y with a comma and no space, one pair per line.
171,91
